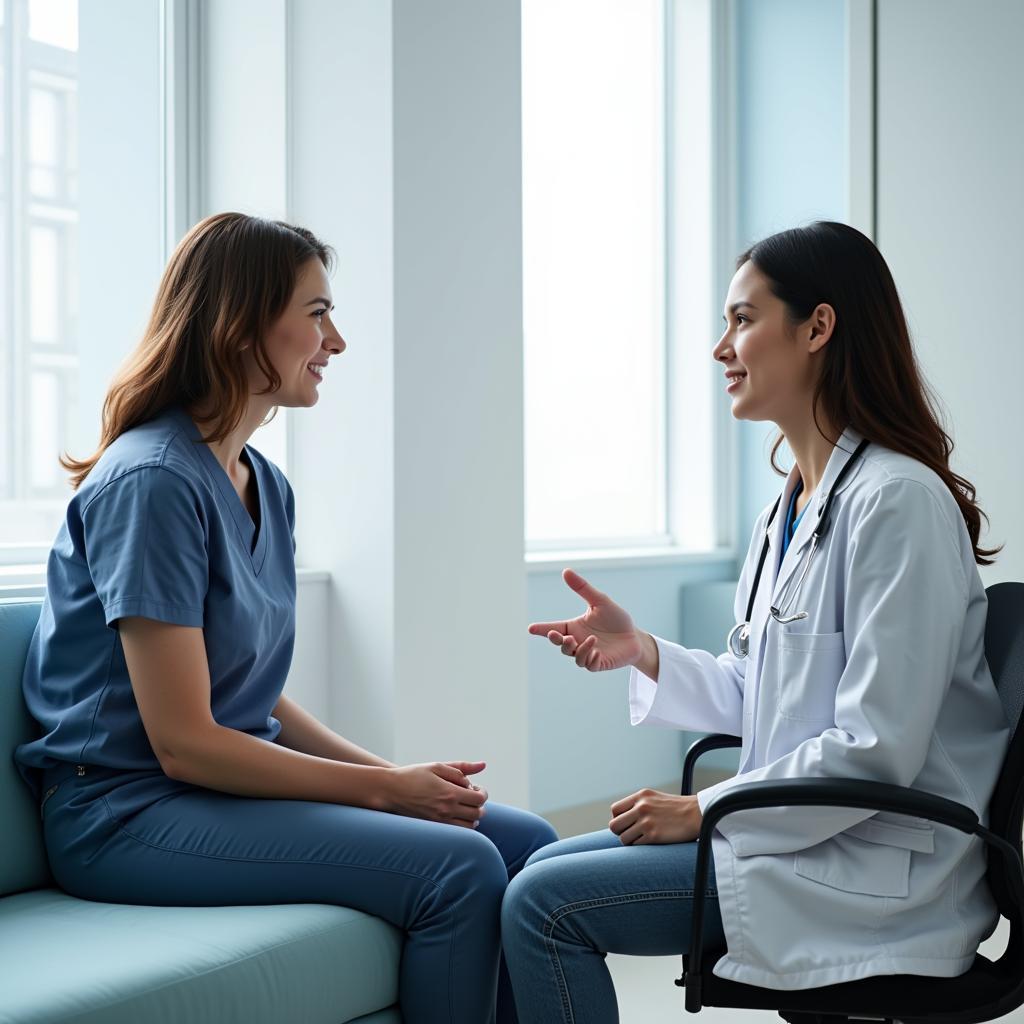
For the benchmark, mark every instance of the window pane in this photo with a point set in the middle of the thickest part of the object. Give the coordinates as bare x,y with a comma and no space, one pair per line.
593,266
54,22
45,447
44,283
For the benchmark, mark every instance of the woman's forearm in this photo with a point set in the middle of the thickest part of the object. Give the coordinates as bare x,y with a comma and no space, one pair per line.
303,732
231,761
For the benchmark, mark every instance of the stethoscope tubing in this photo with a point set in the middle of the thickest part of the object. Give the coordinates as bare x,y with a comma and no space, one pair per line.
738,640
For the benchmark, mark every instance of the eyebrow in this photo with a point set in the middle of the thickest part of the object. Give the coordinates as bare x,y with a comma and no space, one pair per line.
737,306
320,301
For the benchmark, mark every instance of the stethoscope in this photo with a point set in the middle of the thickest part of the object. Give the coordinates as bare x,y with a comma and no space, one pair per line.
738,640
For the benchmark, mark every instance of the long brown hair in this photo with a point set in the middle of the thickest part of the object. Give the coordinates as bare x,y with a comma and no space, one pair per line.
870,379
230,278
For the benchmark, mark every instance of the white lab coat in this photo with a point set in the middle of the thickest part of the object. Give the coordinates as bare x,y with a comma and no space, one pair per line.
885,680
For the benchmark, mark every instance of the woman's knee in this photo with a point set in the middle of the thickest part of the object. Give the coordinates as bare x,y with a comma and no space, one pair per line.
474,868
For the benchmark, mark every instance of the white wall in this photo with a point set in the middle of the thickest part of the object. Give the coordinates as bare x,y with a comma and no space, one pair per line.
404,154
950,223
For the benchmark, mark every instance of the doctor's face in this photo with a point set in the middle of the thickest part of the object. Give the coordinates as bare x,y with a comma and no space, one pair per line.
302,340
768,372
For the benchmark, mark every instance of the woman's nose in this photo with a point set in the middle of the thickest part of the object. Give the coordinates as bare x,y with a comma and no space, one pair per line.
334,342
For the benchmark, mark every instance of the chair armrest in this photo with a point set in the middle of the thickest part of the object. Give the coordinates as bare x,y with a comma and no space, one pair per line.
877,796
698,749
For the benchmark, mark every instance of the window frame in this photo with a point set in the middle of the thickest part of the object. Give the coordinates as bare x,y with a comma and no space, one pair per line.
693,27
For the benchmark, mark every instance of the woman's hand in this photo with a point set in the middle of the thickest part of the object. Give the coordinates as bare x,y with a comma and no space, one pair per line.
652,817
602,638
440,791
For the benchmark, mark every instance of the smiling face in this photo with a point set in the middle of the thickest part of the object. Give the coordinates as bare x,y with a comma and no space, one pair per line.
302,340
771,365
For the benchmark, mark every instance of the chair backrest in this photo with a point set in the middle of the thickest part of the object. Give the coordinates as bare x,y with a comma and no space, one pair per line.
1004,651
23,862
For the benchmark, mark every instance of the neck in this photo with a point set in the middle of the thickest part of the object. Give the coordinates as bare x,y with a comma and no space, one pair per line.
810,449
228,451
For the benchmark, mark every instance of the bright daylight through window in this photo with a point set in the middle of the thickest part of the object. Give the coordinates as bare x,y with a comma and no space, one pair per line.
38,261
594,272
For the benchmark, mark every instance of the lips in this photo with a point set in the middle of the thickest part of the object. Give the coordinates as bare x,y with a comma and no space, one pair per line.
733,379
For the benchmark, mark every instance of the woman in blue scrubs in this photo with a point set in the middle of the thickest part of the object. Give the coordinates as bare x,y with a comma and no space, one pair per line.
170,767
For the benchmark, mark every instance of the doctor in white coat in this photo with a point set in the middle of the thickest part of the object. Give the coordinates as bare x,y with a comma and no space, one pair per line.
863,659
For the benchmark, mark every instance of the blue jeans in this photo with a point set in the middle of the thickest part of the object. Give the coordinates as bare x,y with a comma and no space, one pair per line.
581,898
139,837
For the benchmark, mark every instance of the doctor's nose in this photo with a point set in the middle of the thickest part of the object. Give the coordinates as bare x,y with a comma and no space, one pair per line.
723,350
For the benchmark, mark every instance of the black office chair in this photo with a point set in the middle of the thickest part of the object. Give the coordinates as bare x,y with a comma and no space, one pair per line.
989,989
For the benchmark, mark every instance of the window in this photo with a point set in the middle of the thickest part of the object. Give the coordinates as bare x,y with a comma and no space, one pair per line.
617,275
38,259
98,181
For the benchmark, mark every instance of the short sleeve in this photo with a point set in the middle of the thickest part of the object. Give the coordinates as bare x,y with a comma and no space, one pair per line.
145,544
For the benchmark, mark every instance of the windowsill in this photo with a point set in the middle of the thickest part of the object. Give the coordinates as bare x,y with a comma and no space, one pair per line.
624,558
30,580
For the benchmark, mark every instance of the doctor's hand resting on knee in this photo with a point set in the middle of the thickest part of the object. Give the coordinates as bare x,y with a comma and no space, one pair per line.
170,766
858,652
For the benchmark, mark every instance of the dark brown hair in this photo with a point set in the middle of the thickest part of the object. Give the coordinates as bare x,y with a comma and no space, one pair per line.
230,278
869,379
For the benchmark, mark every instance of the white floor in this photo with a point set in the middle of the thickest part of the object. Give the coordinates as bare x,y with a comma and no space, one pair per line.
647,995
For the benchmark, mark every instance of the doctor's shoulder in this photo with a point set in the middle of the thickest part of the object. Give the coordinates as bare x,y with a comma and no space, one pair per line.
892,482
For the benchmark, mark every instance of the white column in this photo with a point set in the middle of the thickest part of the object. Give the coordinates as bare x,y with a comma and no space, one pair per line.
460,583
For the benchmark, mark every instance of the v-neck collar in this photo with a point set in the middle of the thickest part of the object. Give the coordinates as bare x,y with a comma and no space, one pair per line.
841,453
253,538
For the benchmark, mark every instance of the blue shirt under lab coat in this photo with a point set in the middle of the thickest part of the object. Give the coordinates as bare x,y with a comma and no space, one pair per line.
157,530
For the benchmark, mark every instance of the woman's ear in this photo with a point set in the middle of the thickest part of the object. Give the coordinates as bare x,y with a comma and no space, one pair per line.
822,323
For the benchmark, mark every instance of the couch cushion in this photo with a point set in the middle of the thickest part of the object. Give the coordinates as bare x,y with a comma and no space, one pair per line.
22,856
99,962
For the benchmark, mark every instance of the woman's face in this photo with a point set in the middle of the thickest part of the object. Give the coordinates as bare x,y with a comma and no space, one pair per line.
302,340
770,364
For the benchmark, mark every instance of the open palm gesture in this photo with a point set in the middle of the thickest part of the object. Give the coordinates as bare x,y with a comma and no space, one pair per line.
602,638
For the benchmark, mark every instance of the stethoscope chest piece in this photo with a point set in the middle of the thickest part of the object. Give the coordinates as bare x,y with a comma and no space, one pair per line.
738,640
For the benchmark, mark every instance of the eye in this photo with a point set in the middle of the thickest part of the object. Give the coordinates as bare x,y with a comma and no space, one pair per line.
319,313
741,319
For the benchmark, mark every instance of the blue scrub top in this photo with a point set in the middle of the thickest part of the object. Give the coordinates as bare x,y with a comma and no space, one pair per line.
792,522
157,530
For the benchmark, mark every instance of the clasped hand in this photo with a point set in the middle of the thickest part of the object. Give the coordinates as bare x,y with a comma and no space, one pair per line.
439,791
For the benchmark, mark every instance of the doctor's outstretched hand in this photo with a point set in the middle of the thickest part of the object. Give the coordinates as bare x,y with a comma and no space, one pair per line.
603,637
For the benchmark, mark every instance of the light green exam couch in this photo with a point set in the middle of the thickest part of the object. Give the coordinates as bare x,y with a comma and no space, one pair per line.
65,959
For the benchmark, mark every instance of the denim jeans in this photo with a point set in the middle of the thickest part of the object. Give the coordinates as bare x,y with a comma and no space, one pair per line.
581,898
139,837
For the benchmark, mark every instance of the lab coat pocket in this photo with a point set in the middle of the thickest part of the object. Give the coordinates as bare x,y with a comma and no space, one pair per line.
856,865
810,665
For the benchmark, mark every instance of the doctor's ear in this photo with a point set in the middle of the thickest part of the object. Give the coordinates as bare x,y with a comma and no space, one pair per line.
820,325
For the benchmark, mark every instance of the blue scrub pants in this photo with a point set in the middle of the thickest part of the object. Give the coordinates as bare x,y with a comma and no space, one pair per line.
141,838
587,896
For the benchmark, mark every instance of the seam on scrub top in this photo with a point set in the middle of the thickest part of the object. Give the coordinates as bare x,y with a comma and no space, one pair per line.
137,469
99,698
566,909
141,598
